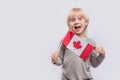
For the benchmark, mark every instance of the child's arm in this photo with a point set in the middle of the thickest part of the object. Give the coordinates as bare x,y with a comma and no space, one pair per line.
57,57
97,59
54,57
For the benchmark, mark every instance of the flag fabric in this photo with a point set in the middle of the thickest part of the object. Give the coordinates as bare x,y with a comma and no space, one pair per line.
77,45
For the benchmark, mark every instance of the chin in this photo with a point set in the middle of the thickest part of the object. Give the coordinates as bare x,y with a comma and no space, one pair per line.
77,33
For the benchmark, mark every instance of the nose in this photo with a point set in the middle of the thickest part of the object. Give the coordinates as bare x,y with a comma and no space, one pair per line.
77,21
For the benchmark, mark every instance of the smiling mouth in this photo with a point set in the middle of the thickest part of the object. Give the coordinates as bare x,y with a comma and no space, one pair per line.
77,27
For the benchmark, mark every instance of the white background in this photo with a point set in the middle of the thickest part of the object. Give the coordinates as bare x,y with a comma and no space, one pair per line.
30,30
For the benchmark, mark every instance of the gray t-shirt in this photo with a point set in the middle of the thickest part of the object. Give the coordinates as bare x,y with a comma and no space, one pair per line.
75,68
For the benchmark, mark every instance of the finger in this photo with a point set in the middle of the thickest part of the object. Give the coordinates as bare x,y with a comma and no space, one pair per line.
53,56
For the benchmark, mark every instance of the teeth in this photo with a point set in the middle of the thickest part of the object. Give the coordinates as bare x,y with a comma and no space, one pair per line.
77,26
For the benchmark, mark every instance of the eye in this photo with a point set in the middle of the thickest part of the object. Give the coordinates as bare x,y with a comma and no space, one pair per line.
72,19
83,20
79,18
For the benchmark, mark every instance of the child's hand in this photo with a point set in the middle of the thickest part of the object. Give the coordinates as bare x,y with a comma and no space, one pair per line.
54,57
100,50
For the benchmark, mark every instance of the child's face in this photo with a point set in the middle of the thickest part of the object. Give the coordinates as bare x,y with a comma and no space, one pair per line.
77,24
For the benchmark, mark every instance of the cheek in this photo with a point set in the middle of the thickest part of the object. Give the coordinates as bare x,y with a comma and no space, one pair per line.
84,28
71,23
70,27
84,25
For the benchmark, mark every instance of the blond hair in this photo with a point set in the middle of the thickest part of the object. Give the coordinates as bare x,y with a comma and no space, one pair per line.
82,13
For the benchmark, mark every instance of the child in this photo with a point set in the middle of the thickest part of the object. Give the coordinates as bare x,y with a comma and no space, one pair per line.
74,67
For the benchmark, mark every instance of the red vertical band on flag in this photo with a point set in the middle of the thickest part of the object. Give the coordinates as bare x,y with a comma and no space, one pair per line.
67,38
86,52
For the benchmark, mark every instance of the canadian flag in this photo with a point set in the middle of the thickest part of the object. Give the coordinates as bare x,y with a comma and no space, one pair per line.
77,45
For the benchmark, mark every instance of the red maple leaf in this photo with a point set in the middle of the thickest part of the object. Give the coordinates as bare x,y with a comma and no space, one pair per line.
77,44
